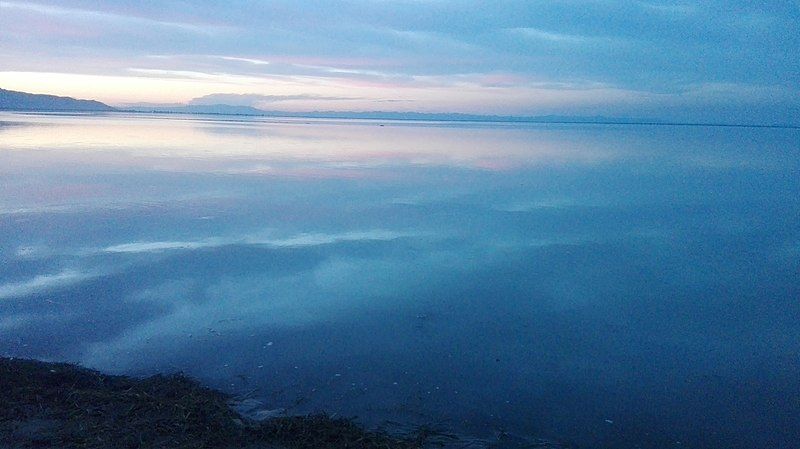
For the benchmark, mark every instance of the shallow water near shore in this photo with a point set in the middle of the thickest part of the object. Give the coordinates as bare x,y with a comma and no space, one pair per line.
605,286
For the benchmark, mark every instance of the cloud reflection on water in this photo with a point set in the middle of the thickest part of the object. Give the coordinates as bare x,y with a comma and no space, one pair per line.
541,278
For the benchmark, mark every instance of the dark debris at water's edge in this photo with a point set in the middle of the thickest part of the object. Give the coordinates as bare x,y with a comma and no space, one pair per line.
57,405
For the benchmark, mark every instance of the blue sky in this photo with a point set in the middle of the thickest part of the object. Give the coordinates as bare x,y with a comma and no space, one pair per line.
711,60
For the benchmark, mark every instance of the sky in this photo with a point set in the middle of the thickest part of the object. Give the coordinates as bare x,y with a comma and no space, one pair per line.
734,61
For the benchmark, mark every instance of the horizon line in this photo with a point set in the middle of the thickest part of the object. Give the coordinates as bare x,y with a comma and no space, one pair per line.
464,117
477,119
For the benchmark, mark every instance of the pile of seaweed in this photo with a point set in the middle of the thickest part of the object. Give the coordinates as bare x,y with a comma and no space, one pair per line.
49,405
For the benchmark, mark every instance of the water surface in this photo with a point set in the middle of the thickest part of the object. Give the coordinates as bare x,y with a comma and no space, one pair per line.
609,286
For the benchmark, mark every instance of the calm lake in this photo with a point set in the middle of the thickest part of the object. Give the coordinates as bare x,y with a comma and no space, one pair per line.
604,286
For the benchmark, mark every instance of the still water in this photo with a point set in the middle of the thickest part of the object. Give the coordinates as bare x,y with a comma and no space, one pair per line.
605,286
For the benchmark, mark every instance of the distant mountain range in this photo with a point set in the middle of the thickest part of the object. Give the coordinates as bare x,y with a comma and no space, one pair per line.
225,109
22,101
221,109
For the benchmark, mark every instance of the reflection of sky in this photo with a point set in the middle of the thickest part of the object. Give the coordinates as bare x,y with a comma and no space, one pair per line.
539,279
249,145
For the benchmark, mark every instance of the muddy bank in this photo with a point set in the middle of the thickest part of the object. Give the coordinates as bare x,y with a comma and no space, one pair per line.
53,405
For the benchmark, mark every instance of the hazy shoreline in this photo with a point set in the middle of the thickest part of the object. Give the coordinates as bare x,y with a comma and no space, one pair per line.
62,405
23,102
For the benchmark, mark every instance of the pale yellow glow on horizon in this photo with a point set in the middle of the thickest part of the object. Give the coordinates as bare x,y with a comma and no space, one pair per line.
116,90
165,86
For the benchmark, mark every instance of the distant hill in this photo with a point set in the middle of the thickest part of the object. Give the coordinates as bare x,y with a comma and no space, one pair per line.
224,109
22,101
453,116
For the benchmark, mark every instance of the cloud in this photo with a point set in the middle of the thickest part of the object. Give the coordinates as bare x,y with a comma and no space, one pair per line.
388,51
326,239
42,283
252,302
670,9
248,60
196,75
149,247
255,100
240,305
12,323
535,33
304,239
108,17
33,252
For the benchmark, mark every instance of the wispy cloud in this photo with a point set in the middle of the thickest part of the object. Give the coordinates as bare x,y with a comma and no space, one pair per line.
162,52
191,74
110,17
573,39
305,239
253,61
669,8
42,283
331,289
149,247
258,99
12,323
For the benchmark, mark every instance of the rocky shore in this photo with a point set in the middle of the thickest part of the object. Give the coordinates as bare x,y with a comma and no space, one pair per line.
56,405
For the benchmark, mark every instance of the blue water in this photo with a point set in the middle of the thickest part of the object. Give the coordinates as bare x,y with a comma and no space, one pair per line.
604,286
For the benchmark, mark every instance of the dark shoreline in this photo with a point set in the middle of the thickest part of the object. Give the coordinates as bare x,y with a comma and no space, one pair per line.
58,405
